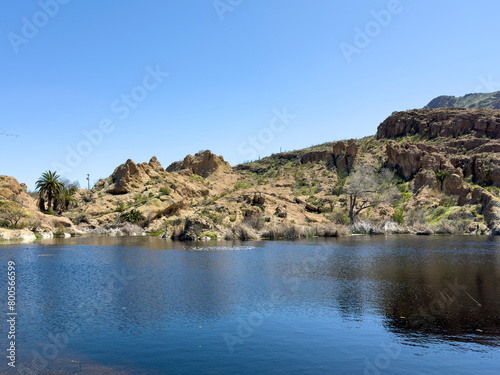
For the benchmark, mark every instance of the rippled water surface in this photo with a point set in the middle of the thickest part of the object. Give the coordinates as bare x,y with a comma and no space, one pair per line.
359,305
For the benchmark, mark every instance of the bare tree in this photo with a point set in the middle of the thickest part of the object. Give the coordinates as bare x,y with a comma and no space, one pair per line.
366,188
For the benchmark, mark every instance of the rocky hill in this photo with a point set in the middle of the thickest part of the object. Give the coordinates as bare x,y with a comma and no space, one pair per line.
425,171
487,101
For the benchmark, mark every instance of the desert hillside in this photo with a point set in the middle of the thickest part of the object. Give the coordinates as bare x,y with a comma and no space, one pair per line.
429,171
486,101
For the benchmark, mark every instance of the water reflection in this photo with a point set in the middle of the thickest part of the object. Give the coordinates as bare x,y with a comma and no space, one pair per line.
161,298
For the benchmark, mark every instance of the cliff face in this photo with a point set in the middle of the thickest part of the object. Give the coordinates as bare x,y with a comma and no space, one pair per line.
450,147
447,122
456,141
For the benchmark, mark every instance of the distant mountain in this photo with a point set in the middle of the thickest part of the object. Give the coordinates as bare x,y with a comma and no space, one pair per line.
489,101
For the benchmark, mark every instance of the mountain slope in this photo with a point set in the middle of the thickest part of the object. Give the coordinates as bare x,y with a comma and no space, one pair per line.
489,101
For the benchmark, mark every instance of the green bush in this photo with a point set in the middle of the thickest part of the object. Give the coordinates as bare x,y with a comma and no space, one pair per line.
441,175
398,216
165,190
133,216
120,206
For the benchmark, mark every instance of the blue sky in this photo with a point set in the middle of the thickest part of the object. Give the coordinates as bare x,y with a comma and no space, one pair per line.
241,78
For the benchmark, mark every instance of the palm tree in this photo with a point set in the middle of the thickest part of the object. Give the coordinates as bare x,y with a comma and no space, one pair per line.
50,187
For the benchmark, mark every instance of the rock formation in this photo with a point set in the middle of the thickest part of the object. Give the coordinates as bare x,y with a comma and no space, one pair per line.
203,164
442,123
345,155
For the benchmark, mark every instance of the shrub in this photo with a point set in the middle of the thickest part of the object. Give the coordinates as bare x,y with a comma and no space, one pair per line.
165,190
59,231
398,216
441,175
133,216
120,206
340,216
242,185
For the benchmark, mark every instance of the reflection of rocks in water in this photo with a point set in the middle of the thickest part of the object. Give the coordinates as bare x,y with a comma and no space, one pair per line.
464,309
219,248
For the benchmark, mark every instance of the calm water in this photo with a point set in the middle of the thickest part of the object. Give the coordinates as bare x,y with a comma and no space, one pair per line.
360,305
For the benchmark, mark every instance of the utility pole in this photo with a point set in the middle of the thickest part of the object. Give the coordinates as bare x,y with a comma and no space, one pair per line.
88,181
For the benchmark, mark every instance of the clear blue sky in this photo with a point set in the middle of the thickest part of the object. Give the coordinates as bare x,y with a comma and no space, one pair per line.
230,70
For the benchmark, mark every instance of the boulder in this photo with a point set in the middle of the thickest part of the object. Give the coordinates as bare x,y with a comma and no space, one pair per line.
255,199
23,235
281,211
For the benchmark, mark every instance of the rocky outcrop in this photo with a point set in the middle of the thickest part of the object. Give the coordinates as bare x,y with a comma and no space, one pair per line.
453,185
9,187
409,158
155,164
442,123
490,208
344,155
23,235
255,199
174,167
203,164
424,178
126,177
316,157
191,229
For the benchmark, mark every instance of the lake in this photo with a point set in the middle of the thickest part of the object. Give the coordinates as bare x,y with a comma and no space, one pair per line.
356,305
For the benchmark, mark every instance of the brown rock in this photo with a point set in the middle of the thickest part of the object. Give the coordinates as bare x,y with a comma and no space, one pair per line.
203,163
174,167
125,177
424,178
442,122
312,208
345,156
9,187
490,208
155,164
317,156
281,211
454,185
